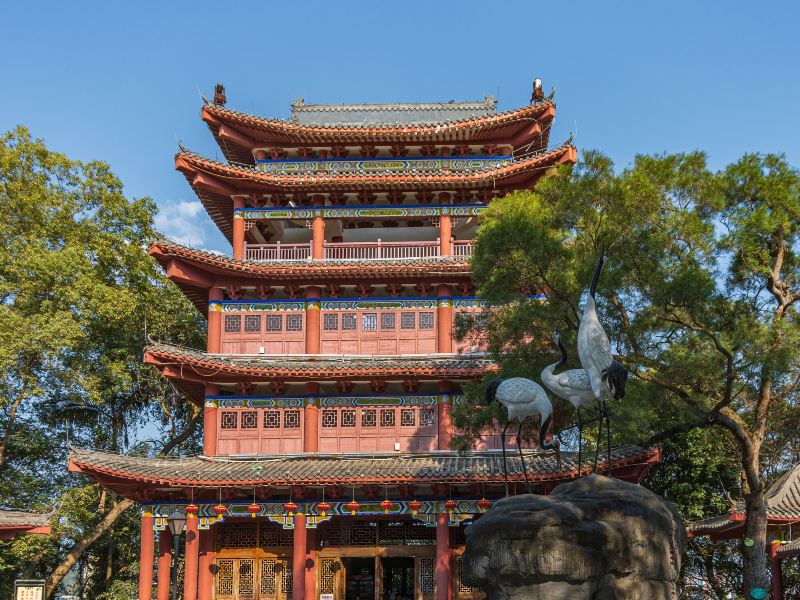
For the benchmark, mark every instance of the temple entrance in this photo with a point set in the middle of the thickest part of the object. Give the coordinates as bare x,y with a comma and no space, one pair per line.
398,577
359,578
253,579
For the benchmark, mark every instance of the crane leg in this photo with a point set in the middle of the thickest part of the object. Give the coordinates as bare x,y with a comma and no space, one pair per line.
580,440
599,434
521,457
608,437
505,465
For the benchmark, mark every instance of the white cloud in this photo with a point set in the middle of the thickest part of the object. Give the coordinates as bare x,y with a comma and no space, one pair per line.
184,221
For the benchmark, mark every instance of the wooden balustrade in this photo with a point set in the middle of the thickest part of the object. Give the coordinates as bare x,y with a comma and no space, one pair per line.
378,250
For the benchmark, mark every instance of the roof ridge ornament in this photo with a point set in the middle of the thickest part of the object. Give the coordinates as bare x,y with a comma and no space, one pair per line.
219,95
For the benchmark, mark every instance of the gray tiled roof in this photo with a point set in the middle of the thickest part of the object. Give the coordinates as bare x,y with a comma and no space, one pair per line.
338,468
783,502
15,518
390,114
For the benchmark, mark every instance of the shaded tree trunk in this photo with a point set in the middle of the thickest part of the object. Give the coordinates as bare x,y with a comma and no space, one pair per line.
83,544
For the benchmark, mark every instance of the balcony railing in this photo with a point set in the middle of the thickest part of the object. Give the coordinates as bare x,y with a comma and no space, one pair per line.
378,250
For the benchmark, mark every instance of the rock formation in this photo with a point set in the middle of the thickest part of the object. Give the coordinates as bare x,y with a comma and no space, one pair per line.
594,538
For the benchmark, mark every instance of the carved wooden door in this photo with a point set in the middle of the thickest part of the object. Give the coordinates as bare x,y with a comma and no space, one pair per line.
253,579
332,579
425,571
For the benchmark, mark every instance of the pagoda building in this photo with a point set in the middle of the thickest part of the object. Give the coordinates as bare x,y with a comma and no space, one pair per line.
331,370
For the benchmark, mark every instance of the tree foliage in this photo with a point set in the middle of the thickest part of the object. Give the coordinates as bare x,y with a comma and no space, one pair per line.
78,296
698,297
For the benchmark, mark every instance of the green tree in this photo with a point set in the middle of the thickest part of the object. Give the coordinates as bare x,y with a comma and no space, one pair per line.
699,298
79,294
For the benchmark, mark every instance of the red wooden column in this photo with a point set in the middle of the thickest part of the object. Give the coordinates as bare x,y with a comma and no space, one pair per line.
444,320
299,558
317,237
445,419
214,342
164,564
191,557
312,320
311,564
445,228
777,571
311,421
205,580
238,229
147,548
210,422
444,569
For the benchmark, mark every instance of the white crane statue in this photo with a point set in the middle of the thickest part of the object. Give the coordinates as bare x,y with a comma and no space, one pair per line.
573,386
522,398
607,377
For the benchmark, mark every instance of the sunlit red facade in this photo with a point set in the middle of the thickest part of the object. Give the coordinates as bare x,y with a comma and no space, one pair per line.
331,370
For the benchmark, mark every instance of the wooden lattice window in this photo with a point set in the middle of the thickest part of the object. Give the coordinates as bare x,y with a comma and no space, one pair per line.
329,418
252,323
330,322
327,575
246,577
229,419
408,320
271,535
427,417
274,323
426,320
369,322
291,419
427,575
387,417
362,533
225,577
237,535
233,323
272,419
267,578
250,419
331,533
349,322
368,417
407,417
387,321
287,583
294,322
348,418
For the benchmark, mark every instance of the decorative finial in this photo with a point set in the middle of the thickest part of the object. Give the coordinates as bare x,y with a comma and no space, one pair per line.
551,95
538,94
219,95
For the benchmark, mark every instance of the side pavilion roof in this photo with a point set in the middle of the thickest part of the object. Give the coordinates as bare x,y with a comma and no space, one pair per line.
783,507
14,522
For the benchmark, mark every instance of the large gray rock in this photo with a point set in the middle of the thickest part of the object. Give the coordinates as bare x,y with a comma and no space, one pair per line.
594,538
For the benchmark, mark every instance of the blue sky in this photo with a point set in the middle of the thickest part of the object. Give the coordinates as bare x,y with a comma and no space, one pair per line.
119,81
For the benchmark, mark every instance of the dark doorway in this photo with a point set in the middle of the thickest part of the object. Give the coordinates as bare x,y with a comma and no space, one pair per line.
398,578
360,578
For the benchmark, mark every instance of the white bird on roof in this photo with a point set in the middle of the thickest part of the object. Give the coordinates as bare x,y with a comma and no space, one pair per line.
522,398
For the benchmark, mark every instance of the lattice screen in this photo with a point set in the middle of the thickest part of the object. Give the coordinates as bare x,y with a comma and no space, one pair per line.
237,535
225,577
462,589
326,576
267,585
272,534
288,581
247,577
427,575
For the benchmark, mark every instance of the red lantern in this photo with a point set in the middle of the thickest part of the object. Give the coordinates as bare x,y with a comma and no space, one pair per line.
290,507
414,505
220,509
192,509
323,507
450,505
387,505
253,509
353,507
484,504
